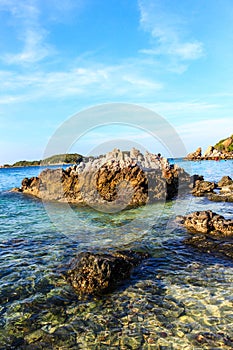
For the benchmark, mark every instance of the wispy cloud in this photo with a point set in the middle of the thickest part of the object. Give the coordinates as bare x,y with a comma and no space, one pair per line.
168,32
98,80
30,32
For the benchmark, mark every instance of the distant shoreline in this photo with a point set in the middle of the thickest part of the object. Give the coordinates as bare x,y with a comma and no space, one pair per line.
31,166
57,159
73,163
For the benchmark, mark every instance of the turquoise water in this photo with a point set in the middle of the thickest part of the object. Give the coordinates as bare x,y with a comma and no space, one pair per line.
178,299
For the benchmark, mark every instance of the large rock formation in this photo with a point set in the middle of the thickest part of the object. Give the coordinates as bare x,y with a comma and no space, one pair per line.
98,273
130,178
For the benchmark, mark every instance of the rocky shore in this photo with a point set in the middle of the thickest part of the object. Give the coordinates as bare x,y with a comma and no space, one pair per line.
210,154
128,178
222,150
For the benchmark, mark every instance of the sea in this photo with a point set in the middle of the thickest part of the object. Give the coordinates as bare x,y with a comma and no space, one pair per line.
179,298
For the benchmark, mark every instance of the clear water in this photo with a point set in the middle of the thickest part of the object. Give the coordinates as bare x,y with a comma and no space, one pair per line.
178,299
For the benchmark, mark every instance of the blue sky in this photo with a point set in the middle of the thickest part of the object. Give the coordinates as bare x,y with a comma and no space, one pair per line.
59,58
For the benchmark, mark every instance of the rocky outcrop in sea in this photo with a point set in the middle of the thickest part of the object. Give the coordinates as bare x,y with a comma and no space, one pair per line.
210,154
207,222
222,150
131,178
218,192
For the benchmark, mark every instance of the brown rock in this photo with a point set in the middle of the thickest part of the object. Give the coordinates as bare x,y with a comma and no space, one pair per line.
227,142
225,181
208,222
99,273
121,182
202,188
194,155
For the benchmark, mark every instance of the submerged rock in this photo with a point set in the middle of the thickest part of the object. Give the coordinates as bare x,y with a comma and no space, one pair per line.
207,222
211,245
99,273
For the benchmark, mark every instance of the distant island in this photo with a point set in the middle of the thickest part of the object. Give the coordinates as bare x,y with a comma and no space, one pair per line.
70,158
223,149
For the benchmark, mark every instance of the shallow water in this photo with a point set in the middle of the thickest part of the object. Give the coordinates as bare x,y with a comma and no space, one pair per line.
178,299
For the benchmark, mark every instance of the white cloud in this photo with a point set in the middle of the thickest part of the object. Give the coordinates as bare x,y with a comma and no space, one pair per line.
143,83
188,51
30,32
35,49
167,30
99,80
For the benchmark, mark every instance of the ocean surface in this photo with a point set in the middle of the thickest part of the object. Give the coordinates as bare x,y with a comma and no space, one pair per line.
179,298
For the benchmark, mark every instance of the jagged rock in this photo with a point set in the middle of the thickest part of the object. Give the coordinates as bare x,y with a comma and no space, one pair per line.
194,178
31,186
99,273
211,153
225,181
202,188
207,222
226,191
208,152
113,177
194,155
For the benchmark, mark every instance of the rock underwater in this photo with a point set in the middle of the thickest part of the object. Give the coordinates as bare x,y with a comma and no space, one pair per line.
97,273
115,177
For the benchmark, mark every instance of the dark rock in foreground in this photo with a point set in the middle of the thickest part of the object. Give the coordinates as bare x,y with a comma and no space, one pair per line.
99,273
207,222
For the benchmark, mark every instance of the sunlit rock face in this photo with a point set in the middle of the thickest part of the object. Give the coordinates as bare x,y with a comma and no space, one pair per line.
127,177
